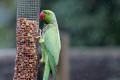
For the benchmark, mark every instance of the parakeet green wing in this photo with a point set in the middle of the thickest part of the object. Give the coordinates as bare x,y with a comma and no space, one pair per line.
52,41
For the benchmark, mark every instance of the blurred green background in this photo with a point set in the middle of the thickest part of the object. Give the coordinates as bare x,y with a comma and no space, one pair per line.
93,27
88,22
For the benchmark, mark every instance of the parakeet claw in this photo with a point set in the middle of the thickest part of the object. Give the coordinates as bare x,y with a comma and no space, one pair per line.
41,60
41,41
38,37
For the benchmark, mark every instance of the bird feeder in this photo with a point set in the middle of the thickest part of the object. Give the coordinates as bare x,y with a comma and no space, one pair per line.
27,29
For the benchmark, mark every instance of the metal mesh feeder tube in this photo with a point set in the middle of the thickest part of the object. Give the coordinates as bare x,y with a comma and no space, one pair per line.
27,30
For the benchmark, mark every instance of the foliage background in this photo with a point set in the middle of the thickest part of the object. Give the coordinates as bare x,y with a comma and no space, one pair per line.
88,22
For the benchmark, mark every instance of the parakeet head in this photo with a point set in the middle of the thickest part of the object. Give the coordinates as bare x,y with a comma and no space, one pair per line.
48,16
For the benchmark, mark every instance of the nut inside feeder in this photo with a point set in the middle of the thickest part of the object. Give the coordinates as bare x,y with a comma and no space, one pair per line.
27,30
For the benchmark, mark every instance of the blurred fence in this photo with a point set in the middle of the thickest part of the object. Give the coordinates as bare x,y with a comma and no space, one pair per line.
84,64
95,64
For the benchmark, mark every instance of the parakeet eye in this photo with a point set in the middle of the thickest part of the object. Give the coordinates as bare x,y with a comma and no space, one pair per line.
48,14
45,12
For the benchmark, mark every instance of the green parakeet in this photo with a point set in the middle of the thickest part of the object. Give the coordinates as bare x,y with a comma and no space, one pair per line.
50,43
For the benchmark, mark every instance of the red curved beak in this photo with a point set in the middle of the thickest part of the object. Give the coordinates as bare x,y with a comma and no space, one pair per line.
42,15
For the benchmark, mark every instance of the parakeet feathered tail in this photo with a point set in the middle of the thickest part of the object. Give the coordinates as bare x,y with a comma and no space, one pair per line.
47,69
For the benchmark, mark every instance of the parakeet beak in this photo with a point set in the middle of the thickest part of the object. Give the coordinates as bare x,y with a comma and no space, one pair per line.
42,15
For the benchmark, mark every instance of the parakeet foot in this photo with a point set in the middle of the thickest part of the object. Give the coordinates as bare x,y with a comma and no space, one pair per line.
37,37
41,41
42,60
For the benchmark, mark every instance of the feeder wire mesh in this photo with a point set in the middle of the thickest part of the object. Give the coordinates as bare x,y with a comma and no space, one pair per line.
26,32
29,9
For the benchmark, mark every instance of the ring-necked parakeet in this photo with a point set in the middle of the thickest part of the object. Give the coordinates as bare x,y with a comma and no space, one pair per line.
50,43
